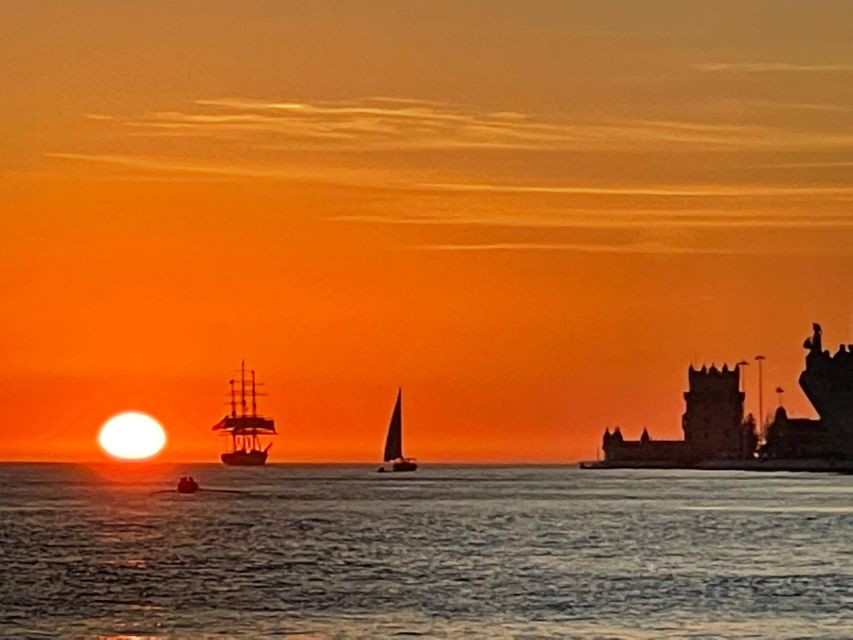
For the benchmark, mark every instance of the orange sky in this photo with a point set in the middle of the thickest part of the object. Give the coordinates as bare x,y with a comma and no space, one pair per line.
533,218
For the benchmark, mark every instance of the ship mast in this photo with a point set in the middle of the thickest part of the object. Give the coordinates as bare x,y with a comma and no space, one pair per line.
243,388
254,401
233,414
255,443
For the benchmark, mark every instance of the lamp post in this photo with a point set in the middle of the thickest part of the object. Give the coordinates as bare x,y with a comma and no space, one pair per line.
760,359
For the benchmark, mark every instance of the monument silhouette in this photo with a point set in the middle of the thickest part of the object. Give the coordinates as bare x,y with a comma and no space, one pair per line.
827,382
716,431
713,425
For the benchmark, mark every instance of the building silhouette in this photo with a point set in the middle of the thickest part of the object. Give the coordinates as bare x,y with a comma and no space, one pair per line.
715,428
713,424
827,382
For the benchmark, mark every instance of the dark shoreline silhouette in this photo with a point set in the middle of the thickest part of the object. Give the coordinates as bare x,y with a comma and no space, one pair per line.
718,437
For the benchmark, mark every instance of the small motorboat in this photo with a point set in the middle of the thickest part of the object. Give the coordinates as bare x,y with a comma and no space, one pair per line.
187,485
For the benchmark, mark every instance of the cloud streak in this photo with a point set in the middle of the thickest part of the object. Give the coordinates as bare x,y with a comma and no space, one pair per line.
191,168
373,124
637,248
697,191
795,106
771,67
655,248
616,220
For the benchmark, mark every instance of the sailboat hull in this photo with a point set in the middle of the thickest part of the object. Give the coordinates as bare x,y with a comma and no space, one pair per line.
245,458
404,466
399,466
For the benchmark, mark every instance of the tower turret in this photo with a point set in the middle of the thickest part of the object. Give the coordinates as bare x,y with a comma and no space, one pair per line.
713,417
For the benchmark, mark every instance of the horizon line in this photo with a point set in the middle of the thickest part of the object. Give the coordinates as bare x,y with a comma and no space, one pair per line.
142,463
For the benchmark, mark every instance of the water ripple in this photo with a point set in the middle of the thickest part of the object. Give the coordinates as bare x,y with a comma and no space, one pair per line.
322,552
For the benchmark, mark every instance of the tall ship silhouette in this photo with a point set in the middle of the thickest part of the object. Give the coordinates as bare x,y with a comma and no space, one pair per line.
245,426
393,452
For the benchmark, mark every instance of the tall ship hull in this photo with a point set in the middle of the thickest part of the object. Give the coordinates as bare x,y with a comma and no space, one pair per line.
244,458
245,426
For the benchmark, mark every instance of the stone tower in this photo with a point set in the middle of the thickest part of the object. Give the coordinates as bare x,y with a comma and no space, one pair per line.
713,418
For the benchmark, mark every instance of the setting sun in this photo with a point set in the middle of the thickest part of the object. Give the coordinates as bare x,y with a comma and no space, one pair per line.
132,436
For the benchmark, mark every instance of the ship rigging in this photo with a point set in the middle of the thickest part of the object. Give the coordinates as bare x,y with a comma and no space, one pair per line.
245,427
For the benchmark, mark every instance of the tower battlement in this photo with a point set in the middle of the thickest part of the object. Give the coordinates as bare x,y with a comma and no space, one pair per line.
710,382
714,371
706,375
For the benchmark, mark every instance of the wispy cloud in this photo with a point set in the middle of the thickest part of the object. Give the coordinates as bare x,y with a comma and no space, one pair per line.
174,168
697,191
639,248
381,180
403,124
177,165
771,67
818,164
617,220
378,122
267,138
796,106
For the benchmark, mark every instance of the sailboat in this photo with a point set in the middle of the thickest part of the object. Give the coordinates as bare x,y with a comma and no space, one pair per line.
394,441
245,427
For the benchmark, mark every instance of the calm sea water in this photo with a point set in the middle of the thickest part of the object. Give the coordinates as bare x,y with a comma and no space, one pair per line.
336,551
